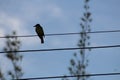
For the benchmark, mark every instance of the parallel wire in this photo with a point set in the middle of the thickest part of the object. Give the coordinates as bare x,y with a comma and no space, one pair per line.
62,34
70,76
60,49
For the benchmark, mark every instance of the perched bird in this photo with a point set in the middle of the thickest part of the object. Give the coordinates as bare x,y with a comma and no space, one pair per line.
40,32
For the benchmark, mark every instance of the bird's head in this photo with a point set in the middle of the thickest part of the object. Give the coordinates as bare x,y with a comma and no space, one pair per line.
36,25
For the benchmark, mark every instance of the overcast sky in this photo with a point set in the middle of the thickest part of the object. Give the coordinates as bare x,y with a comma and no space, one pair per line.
61,16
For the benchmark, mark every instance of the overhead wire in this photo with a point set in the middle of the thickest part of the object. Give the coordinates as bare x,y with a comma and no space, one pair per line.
70,76
61,49
58,34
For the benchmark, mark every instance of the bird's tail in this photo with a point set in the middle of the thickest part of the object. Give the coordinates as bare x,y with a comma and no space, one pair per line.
42,40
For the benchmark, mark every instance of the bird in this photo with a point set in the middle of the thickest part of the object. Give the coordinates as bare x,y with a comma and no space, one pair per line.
40,32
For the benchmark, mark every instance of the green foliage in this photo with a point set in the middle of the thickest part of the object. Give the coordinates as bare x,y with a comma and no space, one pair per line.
11,48
79,63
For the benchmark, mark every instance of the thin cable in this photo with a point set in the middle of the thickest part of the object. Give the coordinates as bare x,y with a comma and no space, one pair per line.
53,77
62,34
60,49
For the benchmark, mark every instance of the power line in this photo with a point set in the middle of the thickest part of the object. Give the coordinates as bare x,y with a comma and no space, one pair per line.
70,76
58,34
60,49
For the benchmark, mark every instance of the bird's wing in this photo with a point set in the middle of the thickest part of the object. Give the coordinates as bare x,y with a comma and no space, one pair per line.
40,31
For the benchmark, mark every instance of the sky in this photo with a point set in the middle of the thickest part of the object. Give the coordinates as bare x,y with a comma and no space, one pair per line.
61,16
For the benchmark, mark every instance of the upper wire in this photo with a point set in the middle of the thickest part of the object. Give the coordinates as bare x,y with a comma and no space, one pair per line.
58,34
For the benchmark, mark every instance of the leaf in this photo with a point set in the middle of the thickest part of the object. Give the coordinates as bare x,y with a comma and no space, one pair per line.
17,68
81,41
14,33
86,0
75,54
70,69
88,37
88,43
13,43
72,62
86,6
89,30
11,74
5,49
83,19
10,56
82,26
88,15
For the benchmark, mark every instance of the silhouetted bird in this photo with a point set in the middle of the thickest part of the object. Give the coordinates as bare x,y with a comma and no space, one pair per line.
40,32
